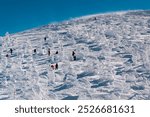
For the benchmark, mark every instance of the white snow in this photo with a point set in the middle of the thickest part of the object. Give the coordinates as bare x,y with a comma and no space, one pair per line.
113,59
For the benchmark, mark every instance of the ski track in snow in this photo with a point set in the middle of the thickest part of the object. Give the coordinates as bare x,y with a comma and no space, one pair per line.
113,59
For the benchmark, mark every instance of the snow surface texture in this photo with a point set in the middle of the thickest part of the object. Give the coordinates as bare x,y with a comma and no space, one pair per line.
113,59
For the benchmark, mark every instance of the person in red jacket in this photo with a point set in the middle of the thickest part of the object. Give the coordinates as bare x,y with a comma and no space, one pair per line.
53,67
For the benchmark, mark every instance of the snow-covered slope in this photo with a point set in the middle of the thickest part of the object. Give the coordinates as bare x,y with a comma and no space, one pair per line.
113,59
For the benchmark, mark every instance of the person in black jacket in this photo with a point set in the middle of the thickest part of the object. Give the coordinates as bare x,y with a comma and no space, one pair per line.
74,58
74,55
34,51
7,55
11,51
56,52
45,38
49,52
56,66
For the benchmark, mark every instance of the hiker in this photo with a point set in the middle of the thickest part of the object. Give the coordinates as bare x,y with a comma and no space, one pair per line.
52,66
73,53
49,52
56,66
74,56
56,52
34,51
45,38
11,51
7,55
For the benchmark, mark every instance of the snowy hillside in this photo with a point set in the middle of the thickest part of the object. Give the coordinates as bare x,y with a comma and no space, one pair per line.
112,59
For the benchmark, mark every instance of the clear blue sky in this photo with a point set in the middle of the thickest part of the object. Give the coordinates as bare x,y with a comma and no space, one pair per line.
19,15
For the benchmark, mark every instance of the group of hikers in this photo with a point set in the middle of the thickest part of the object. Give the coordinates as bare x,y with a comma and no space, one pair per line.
53,66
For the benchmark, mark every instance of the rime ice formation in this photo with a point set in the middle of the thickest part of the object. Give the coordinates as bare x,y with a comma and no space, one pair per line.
112,59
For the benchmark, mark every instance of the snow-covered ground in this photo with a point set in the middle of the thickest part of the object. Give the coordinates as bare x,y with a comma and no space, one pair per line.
113,59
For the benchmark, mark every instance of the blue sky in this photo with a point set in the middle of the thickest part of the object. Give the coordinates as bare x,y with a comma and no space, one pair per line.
19,15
